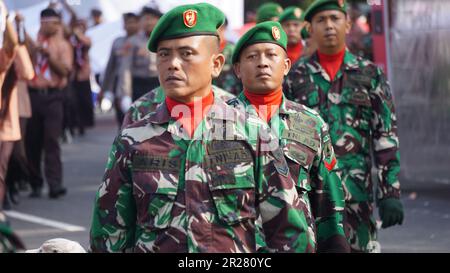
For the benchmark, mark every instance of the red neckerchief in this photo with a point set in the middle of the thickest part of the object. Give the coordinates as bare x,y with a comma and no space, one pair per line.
331,63
294,51
190,123
270,102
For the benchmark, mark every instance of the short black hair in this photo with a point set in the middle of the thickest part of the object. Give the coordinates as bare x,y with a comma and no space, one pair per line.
151,11
130,15
49,12
96,12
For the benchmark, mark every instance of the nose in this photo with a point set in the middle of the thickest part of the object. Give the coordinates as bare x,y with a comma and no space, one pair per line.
328,24
174,63
263,61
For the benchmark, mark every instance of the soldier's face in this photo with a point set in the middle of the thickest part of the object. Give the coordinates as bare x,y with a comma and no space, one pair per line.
262,67
293,29
328,29
186,66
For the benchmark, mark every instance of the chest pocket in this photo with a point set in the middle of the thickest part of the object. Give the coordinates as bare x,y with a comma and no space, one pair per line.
356,100
231,182
300,147
155,184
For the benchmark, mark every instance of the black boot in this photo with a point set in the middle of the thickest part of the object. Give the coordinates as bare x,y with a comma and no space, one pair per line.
53,194
36,192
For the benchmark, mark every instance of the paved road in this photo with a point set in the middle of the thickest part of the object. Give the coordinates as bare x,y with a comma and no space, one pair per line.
426,227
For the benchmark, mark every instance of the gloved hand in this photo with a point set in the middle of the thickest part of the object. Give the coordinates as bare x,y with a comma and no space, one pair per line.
391,212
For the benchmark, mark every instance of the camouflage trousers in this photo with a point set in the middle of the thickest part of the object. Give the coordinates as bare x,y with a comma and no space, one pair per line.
360,227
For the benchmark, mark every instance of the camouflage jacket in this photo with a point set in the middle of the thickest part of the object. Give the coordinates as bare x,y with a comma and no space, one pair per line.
9,241
146,104
306,144
164,192
227,80
359,109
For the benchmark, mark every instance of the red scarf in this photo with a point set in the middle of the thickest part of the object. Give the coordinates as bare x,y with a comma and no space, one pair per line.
294,51
331,63
223,44
270,102
191,122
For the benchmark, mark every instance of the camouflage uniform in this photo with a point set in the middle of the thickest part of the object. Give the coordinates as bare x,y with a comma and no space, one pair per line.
306,144
227,80
359,109
9,242
148,103
163,192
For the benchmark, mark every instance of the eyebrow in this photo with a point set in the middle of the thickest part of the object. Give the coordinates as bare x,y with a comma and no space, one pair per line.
328,16
178,48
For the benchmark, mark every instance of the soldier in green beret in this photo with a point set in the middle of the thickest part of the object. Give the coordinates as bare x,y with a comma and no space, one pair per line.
292,23
269,11
196,175
261,62
353,96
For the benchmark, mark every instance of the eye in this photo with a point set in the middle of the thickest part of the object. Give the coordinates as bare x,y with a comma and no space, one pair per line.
163,54
251,56
187,53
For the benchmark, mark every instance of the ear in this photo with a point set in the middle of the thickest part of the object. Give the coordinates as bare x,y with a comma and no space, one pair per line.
348,24
237,69
218,62
287,65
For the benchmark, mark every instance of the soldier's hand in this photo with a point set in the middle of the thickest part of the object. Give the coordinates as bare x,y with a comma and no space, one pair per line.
391,212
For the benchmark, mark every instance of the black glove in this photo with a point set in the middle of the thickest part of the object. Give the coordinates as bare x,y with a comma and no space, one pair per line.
391,212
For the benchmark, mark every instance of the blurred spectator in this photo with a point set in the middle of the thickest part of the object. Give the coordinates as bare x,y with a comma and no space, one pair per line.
82,71
139,67
15,64
96,18
52,59
358,38
114,71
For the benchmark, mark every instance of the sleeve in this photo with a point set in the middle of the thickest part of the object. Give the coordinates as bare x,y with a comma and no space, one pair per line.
114,214
24,66
385,139
109,74
282,212
124,81
327,198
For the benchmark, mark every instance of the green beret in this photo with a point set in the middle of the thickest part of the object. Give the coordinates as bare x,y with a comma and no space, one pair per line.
291,13
304,33
322,5
186,20
265,32
267,11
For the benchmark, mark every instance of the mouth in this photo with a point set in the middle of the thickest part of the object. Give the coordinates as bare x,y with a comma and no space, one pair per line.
173,79
263,76
330,35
